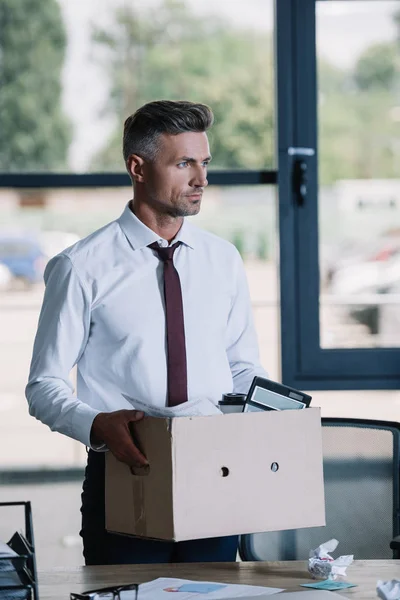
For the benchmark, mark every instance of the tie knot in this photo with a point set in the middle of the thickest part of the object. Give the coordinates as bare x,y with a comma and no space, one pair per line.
166,253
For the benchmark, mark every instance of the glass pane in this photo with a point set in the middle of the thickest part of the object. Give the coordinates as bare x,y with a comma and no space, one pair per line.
358,46
244,215
64,100
380,405
30,235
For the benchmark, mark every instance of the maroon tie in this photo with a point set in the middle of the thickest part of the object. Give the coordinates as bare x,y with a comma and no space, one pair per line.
176,348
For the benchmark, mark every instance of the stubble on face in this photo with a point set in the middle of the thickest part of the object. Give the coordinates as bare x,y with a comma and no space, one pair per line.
186,208
174,185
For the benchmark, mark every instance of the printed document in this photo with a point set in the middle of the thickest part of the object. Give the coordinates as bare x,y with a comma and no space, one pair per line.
193,408
166,588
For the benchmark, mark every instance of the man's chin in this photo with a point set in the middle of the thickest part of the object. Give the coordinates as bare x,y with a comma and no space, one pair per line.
194,210
188,211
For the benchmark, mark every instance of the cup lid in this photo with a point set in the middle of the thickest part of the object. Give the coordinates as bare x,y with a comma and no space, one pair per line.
232,398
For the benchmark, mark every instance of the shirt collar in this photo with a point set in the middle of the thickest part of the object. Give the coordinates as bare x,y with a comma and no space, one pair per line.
140,236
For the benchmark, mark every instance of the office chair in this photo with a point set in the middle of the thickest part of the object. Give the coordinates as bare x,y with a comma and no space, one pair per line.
362,488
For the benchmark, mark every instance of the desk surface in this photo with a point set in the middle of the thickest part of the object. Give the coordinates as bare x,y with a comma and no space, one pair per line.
58,583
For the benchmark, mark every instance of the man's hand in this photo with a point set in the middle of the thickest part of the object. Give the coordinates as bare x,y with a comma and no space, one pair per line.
112,429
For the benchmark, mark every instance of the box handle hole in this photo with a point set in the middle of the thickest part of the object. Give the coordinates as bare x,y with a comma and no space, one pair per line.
224,471
274,467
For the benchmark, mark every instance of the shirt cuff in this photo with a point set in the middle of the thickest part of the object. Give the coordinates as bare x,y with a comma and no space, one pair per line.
81,426
99,447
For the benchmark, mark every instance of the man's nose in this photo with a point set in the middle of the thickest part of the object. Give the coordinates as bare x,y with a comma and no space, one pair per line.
200,180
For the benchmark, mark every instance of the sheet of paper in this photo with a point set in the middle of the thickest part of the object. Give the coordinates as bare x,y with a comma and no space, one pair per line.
388,590
166,588
193,408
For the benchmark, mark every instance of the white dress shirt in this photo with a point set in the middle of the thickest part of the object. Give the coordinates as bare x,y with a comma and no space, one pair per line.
103,310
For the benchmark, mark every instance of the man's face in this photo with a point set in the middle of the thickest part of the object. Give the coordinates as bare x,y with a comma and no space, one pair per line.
176,179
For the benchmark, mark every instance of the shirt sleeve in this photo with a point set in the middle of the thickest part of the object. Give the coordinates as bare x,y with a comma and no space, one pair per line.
242,344
61,337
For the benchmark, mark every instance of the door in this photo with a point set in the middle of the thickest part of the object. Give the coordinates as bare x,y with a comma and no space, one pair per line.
339,186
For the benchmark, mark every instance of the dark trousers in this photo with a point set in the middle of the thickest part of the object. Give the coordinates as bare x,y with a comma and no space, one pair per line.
102,548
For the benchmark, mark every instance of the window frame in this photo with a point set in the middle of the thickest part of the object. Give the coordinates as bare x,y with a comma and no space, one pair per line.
111,179
304,363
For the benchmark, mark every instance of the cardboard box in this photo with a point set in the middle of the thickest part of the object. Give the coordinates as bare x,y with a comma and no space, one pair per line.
220,475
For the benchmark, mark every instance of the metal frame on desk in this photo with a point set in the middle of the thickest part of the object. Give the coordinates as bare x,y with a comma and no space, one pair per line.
31,557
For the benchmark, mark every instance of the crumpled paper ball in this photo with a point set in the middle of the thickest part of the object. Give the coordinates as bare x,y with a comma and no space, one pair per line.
321,565
388,590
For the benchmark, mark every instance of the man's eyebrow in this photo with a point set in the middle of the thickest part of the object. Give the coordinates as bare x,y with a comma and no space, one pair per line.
189,159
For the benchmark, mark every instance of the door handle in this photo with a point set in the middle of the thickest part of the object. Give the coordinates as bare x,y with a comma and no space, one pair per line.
300,172
300,181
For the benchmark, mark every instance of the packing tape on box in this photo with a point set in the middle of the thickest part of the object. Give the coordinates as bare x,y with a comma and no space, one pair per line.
138,506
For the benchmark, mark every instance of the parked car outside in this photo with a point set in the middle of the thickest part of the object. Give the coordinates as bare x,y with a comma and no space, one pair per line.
375,273
24,257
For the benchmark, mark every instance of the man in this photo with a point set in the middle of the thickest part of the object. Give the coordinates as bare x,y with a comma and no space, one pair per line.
149,307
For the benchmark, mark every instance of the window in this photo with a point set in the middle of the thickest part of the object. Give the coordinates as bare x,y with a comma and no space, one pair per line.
245,215
338,239
359,185
64,100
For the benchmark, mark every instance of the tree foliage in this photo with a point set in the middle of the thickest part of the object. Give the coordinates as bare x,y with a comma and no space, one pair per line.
172,54
34,133
376,68
359,120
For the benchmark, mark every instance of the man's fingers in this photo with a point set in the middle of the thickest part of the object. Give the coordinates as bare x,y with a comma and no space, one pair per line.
138,457
131,456
135,415
138,460
135,457
114,430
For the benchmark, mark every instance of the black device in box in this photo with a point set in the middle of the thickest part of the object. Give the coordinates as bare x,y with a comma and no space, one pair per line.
265,394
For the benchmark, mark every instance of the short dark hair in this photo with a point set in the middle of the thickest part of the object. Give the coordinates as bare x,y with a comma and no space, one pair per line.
142,129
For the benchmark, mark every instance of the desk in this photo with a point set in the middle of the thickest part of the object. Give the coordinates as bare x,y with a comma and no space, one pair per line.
58,583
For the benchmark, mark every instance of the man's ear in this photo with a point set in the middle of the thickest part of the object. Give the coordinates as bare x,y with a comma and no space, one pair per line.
135,166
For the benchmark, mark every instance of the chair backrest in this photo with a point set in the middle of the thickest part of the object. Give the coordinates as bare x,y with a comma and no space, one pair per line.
362,478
